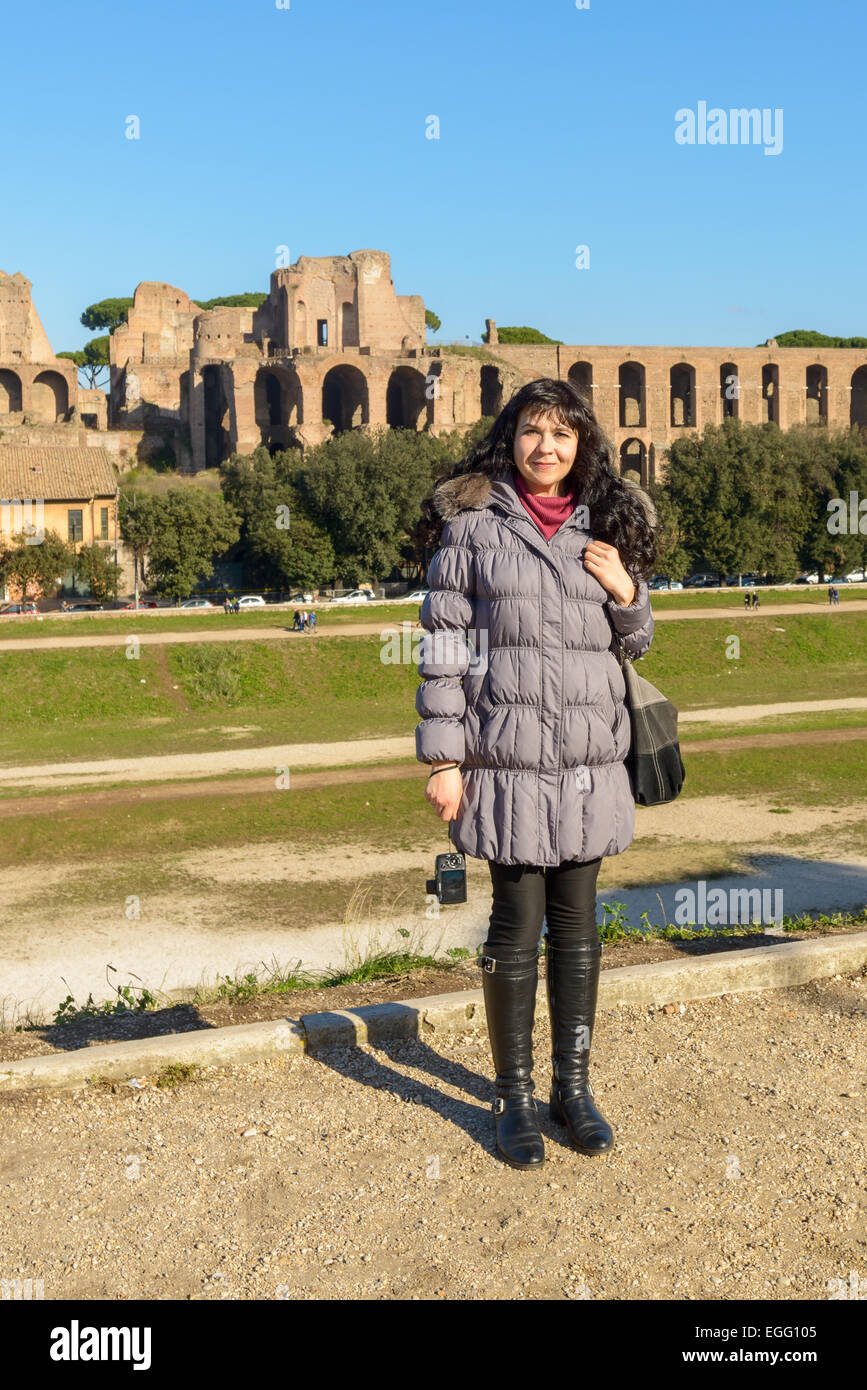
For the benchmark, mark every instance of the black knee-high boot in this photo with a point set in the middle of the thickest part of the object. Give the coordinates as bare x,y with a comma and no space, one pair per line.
510,979
573,982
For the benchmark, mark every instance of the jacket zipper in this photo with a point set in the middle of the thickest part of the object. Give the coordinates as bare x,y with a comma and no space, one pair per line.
512,521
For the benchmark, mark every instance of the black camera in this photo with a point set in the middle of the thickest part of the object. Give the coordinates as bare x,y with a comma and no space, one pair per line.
450,883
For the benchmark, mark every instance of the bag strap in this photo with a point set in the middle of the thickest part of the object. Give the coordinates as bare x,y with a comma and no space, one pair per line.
618,648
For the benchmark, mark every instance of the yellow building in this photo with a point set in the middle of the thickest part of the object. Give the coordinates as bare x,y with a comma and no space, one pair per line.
71,491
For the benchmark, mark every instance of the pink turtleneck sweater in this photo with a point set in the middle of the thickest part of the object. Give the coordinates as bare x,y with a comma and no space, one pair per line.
549,513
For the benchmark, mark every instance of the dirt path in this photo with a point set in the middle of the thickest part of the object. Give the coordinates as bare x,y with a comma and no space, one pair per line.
356,752
371,1173
304,781
280,633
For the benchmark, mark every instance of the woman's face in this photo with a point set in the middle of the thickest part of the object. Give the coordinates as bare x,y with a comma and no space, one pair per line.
544,452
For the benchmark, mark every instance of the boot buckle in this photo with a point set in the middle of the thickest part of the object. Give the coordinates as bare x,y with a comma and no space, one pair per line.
488,963
498,1106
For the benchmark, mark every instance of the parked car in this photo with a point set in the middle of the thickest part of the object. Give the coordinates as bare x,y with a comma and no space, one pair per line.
856,577
301,598
251,601
806,579
659,582
142,603
85,608
417,596
355,596
197,603
702,581
20,610
742,581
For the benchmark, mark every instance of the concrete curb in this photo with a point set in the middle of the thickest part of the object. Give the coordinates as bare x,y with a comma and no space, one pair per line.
670,981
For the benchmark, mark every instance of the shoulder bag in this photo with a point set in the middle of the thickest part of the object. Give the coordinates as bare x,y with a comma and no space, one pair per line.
654,764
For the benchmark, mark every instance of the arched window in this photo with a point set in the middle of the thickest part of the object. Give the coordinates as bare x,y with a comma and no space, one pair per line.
771,393
345,398
581,377
858,404
406,405
817,394
633,408
729,390
682,394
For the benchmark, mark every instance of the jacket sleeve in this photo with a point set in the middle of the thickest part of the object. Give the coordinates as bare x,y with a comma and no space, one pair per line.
444,651
633,622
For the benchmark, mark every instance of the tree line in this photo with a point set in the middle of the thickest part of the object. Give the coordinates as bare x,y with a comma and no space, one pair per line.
739,498
744,498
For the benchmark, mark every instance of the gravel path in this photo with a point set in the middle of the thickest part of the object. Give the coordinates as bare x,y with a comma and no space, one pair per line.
739,1170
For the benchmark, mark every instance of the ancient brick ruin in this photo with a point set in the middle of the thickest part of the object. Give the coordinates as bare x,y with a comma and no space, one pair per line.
37,388
334,347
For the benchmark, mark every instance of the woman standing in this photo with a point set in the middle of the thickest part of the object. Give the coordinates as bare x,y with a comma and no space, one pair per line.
541,569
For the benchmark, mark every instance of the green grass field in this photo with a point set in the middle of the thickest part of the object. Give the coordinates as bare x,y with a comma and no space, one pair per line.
96,702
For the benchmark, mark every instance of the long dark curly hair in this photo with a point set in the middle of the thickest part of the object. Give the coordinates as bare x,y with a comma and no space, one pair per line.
618,513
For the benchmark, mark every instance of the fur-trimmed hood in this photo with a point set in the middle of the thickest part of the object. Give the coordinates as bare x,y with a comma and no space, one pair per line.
467,490
472,491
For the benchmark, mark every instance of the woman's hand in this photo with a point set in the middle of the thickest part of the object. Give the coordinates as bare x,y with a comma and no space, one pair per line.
604,563
444,792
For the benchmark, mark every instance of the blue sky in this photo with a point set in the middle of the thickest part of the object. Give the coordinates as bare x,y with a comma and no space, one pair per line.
263,127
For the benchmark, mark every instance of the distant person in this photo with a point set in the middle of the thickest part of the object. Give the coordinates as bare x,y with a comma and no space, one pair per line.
296,621
836,594
305,620
748,599
313,621
756,603
830,594
226,604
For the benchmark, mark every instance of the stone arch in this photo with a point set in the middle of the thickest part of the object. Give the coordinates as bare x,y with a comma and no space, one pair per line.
278,404
490,390
581,377
406,405
858,402
633,397
216,414
817,394
682,394
730,390
633,461
771,393
348,324
10,393
345,398
50,397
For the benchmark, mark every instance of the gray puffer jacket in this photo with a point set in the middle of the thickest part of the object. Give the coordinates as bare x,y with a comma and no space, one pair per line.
521,685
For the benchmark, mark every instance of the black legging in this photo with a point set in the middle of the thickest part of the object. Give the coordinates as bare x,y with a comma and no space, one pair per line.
525,893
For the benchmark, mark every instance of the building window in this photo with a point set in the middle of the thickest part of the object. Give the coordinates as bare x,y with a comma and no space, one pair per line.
322,332
103,523
74,519
771,393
